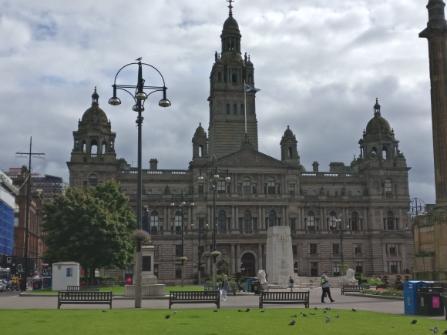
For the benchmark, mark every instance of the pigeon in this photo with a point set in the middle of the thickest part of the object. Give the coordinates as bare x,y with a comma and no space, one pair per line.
104,311
445,332
337,316
304,315
167,316
327,319
413,322
324,312
354,310
315,308
215,311
262,311
311,313
292,322
247,310
434,330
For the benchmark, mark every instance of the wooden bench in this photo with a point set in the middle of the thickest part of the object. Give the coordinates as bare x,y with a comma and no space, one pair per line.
84,297
351,288
284,297
194,297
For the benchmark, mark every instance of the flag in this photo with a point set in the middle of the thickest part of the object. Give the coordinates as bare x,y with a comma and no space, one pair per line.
250,89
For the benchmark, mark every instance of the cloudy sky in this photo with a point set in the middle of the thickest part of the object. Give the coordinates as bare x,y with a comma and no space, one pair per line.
320,65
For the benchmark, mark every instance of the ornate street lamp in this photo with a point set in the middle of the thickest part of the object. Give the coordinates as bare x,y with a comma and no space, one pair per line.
340,230
182,258
140,95
215,178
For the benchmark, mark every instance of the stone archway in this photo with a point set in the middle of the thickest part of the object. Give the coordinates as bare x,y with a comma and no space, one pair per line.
248,264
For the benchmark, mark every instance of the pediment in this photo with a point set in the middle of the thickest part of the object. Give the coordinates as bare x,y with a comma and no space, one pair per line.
249,157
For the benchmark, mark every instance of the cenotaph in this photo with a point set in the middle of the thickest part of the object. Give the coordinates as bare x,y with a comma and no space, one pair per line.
279,255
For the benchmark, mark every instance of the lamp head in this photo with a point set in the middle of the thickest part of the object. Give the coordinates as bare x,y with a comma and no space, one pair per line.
140,96
137,108
165,101
114,101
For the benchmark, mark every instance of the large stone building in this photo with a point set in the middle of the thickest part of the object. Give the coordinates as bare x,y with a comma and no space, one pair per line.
430,229
352,214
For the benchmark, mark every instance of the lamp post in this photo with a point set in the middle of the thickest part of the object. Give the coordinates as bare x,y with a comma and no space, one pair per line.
215,179
140,96
182,257
340,229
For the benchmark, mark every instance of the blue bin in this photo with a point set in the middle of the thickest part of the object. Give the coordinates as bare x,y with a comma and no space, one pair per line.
411,301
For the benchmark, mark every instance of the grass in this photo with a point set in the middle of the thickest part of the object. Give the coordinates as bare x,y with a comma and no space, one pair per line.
119,290
209,322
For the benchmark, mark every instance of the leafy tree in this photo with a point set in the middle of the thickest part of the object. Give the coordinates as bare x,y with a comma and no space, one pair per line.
92,226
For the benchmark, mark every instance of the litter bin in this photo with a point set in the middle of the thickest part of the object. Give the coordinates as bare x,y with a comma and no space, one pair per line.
430,302
444,302
411,300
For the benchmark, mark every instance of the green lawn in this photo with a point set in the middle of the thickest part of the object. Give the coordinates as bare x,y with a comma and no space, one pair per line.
208,322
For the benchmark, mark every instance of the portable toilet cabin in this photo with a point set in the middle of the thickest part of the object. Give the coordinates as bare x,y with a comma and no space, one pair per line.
65,274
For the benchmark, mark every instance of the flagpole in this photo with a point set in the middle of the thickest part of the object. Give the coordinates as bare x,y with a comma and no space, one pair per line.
245,108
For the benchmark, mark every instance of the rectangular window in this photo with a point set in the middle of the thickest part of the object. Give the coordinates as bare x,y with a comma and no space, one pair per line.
394,267
234,108
388,187
242,109
357,249
294,251
336,269
359,267
292,189
293,225
313,248
335,249
200,190
178,272
69,272
228,109
178,250
393,250
314,269
221,186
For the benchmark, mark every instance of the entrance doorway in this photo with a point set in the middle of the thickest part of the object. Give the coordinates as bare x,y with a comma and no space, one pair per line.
248,266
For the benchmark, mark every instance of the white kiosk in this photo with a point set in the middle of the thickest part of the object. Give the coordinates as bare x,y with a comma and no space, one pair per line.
65,274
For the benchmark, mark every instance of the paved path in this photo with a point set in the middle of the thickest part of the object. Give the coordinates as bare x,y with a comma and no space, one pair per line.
242,301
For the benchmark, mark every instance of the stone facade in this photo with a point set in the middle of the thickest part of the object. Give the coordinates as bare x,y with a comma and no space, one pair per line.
353,214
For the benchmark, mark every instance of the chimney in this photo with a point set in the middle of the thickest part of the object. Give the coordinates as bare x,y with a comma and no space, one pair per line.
315,166
153,164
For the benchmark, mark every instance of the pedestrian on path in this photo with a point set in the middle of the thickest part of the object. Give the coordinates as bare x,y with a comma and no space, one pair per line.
225,288
326,288
291,282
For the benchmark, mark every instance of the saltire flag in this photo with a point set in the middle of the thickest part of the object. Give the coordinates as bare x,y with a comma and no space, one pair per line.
250,89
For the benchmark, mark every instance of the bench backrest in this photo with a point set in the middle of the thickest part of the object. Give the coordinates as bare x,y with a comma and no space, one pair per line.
72,288
84,296
285,296
194,295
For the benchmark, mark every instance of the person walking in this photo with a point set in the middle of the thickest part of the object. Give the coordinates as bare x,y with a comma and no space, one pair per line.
225,288
326,288
291,282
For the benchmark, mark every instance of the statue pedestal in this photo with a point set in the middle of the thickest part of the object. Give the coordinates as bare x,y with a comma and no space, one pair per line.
279,255
149,282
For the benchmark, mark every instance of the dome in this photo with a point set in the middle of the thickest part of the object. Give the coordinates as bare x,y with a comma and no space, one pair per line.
231,26
288,135
378,124
94,114
200,132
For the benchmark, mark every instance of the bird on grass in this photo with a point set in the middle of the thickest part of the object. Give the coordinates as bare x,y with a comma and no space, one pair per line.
354,310
327,309
311,313
324,312
167,316
315,308
292,322
262,311
445,332
327,319
104,311
413,322
337,316
247,310
434,330
215,311
304,314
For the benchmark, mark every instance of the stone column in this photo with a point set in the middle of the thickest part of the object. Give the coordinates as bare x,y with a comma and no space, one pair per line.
260,265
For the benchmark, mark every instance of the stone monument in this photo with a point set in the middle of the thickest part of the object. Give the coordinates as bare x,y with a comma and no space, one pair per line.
279,255
349,278
149,282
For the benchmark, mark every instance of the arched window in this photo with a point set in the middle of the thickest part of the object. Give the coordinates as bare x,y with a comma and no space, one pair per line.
290,153
355,222
178,218
384,153
248,222
154,222
391,221
309,221
93,180
272,218
246,186
200,150
374,152
332,221
84,147
222,222
103,148
94,148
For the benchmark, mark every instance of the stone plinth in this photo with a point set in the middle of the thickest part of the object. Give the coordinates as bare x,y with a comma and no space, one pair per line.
279,255
153,290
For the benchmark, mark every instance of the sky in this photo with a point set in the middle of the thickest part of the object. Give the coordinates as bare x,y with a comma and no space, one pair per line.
319,64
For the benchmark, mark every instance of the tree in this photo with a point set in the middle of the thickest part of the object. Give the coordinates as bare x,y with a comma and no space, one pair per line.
92,226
